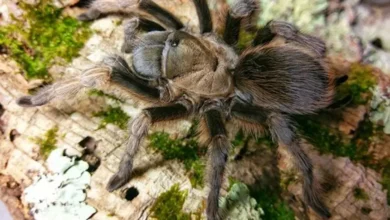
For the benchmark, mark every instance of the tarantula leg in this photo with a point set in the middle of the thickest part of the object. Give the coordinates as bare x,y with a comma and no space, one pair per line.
131,27
138,129
161,14
239,10
115,70
90,15
66,88
340,103
100,7
204,16
122,75
218,155
247,112
290,33
284,133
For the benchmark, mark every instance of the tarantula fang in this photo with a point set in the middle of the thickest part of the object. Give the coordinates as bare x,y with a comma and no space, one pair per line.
283,73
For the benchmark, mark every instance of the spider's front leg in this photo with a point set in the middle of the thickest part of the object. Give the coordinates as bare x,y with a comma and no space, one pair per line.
138,129
103,7
219,146
115,70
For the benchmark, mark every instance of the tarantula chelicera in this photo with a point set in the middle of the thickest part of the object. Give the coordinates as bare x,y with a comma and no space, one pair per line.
283,73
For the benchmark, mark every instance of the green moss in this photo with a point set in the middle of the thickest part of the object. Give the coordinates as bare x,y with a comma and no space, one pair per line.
169,205
386,179
95,92
266,140
287,178
274,207
360,194
245,40
185,150
196,173
48,143
359,84
239,139
328,140
47,35
113,115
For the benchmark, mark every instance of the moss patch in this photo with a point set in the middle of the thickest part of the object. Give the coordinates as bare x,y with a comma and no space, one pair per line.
169,205
386,179
360,82
360,194
185,150
46,36
113,115
245,40
48,143
95,92
273,205
328,140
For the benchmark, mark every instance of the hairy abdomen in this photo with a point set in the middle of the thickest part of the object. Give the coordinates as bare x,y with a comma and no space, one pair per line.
285,79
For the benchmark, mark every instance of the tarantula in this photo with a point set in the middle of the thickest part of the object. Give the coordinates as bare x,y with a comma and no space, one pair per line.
283,73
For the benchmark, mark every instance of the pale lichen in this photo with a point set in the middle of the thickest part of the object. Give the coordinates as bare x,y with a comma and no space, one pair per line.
238,204
381,109
60,195
306,14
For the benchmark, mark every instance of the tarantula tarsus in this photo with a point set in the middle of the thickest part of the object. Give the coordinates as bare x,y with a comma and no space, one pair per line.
283,73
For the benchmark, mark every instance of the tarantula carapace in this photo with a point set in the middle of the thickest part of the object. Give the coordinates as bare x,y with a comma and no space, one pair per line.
283,73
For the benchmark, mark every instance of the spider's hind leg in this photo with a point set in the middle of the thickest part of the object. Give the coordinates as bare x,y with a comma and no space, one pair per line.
284,134
290,33
240,10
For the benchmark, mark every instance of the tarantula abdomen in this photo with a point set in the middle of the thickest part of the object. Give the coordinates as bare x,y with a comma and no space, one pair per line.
284,79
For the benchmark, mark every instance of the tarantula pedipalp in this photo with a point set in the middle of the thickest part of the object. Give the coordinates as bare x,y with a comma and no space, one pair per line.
283,73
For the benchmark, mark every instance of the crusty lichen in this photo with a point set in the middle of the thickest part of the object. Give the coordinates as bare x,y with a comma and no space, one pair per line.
380,105
306,14
61,192
45,36
238,204
113,115
270,201
169,205
48,143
